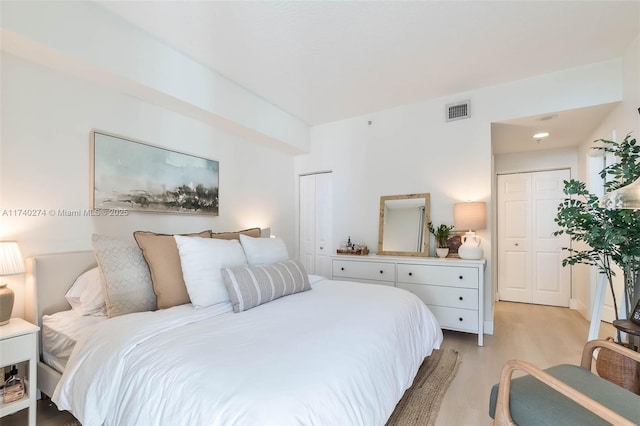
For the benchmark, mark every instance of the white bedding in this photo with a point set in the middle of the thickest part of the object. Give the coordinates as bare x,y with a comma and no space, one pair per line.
61,331
340,354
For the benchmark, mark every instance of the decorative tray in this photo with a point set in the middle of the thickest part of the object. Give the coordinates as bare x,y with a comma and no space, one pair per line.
363,251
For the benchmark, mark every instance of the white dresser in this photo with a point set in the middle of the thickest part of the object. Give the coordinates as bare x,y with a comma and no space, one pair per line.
453,289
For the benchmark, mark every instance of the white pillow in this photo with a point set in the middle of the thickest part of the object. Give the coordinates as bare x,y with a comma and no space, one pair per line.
201,260
85,295
264,251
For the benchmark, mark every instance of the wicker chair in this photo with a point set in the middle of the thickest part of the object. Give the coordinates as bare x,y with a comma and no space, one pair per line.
564,394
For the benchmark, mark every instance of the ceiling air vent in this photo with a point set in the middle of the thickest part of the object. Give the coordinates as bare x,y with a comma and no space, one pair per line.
458,110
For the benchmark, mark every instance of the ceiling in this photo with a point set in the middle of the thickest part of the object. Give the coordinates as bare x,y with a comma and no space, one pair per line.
323,61
566,129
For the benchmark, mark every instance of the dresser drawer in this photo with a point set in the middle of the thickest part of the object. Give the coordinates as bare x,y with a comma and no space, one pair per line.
455,297
17,349
456,319
378,271
453,276
365,281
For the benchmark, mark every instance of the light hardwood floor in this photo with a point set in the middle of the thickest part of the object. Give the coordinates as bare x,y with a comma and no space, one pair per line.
543,335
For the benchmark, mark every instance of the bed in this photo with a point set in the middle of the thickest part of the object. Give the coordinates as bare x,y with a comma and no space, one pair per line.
343,353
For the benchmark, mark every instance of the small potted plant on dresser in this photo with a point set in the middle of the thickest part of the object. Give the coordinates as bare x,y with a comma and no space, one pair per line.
442,235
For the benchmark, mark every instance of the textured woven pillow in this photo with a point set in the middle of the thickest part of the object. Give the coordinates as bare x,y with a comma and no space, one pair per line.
251,286
161,253
264,251
126,282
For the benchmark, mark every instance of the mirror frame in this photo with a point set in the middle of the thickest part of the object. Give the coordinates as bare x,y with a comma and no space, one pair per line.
427,219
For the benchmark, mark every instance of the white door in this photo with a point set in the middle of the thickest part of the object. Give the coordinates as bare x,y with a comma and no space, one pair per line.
515,276
529,255
307,222
316,223
324,224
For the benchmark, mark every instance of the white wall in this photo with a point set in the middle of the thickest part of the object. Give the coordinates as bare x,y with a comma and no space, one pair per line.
622,120
70,67
44,164
537,160
84,39
410,149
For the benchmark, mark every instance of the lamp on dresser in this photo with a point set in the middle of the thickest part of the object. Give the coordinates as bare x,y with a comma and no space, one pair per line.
470,216
11,263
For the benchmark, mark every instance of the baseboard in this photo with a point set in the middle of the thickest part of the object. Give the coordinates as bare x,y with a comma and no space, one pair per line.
488,327
574,304
579,306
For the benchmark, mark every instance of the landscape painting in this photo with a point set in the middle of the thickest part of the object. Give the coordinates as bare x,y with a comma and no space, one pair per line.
138,177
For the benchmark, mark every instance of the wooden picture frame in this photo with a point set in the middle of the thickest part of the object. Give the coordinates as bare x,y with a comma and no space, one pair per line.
454,242
415,235
135,176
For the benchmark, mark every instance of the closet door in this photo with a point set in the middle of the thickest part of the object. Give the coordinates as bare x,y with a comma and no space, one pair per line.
529,255
514,238
324,224
552,281
316,223
307,222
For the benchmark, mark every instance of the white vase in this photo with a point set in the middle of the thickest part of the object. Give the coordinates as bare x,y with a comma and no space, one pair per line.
470,248
6,304
442,252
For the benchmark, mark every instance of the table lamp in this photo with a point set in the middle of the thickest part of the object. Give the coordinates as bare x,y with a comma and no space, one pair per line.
11,263
470,216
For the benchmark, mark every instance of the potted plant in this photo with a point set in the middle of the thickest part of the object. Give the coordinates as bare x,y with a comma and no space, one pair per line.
612,236
442,235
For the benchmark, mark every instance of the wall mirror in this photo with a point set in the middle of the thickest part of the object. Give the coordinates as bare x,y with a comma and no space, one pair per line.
403,225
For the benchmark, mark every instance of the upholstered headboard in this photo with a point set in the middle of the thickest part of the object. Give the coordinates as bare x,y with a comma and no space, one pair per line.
48,279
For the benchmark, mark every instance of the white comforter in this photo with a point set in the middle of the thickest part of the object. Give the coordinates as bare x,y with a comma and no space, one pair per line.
340,354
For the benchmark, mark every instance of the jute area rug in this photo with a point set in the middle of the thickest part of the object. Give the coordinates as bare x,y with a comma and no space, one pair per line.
421,402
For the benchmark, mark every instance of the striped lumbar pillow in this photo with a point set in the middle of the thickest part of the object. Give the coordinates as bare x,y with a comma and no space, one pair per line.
251,286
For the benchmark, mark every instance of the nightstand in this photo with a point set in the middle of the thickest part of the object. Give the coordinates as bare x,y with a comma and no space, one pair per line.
18,343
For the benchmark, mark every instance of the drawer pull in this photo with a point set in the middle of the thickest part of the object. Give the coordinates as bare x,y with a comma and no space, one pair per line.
381,272
460,277
342,269
461,298
460,319
410,273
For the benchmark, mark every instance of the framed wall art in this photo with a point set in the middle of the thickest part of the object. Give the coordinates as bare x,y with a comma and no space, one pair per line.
127,174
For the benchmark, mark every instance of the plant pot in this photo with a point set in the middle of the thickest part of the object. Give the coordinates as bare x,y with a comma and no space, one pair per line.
442,252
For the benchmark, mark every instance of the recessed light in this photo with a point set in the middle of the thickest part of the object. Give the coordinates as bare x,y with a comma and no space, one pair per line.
541,135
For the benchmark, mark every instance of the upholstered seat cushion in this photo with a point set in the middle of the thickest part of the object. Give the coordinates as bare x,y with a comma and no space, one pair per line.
531,402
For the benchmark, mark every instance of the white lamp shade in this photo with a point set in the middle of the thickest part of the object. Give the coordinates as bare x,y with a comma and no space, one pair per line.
627,197
470,216
11,261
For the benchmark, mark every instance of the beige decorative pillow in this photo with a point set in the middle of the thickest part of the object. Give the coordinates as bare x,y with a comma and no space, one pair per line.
252,232
161,253
126,282
251,286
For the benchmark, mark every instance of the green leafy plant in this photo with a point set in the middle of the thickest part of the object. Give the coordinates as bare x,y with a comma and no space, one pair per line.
611,236
441,233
